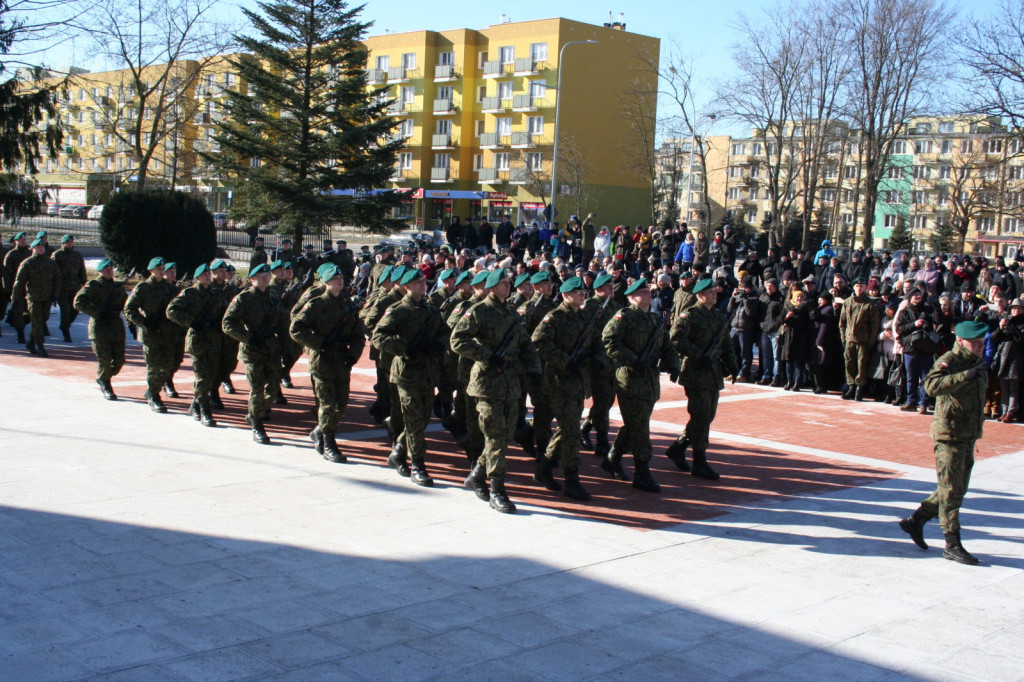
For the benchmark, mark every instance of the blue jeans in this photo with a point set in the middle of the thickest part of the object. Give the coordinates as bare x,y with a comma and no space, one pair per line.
917,367
744,344
772,366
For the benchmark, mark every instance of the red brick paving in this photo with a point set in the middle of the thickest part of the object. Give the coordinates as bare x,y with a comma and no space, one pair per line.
751,475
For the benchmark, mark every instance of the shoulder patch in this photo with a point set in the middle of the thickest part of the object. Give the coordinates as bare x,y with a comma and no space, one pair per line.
684,313
618,316
546,317
944,365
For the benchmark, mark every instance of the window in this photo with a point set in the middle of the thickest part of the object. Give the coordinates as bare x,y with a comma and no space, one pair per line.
893,196
110,91
756,150
81,117
535,125
923,147
481,92
533,161
944,172
1015,145
890,220
538,89
446,59
947,147
942,199
479,128
736,171
478,161
990,172
753,194
899,147
81,94
828,195
735,193
409,61
503,126
755,170
443,126
831,172
919,197
966,146
849,172
383,62
847,219
1014,199
847,195
408,94
230,79
501,161
922,172
405,160
507,54
798,131
894,172
442,160
920,222
985,224
738,149
405,128
1016,172
445,92
481,58
923,129
539,52
946,127
505,90
832,147
994,147
1011,225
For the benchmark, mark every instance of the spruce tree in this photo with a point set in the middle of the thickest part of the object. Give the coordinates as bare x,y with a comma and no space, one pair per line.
900,238
306,123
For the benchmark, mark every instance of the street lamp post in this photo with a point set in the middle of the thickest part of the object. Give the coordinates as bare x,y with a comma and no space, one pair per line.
558,104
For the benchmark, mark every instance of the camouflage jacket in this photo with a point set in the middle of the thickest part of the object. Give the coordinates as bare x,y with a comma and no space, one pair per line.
960,403
604,366
102,300
200,310
414,333
146,308
625,338
251,313
38,278
72,270
542,306
860,320
476,337
554,339
694,331
12,261
330,319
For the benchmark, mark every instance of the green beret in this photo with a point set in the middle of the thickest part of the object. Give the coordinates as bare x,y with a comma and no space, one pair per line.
495,277
571,284
170,265
328,272
703,284
40,234
286,240
262,267
522,279
542,276
446,274
480,278
200,270
636,286
217,264
67,238
859,280
602,279
104,264
323,268
155,263
463,277
20,235
36,242
385,274
971,330
397,273
277,265
411,275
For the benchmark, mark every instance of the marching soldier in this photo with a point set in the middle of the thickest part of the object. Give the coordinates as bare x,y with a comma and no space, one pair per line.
102,300
388,411
370,315
16,316
491,335
199,310
637,343
259,254
414,334
532,312
602,375
224,285
466,418
523,291
146,308
257,324
700,334
444,299
72,278
566,352
174,287
37,282
329,326
285,290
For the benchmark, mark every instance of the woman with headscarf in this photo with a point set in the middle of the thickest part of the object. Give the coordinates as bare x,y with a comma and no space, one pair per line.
797,338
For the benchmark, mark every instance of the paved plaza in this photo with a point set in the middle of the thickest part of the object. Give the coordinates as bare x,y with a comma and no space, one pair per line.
140,546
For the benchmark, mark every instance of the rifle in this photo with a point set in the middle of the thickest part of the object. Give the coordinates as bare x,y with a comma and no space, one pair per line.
644,359
414,346
588,330
502,349
715,343
105,308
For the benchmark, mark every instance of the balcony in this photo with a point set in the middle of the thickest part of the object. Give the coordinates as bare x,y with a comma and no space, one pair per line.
494,105
524,140
443,107
519,176
527,66
401,175
376,76
441,141
493,141
490,176
399,74
524,103
445,72
400,108
441,175
494,69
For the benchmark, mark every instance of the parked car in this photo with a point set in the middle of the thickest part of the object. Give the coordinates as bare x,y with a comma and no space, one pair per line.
53,209
220,220
95,212
73,211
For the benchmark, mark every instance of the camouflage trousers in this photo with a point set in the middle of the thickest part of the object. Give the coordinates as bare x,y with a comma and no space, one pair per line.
603,388
416,403
68,314
263,375
228,358
497,422
109,349
857,357
567,410
160,363
332,398
635,434
38,314
542,416
205,370
953,463
702,405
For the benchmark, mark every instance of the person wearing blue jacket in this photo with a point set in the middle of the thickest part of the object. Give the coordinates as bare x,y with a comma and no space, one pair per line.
826,250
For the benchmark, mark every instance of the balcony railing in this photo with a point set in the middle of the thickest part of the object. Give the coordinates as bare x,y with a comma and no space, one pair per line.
444,106
440,175
401,175
492,175
398,74
445,72
493,69
400,108
526,66
523,140
376,76
493,105
493,141
519,176
524,103
441,141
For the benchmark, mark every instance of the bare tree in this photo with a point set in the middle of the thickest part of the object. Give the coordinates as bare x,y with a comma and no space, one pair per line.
574,167
993,52
165,49
896,49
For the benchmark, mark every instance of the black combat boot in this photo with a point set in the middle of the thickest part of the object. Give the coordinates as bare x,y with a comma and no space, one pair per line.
286,380
542,474
602,447
398,462
228,387
850,391
215,401
913,526
573,487
612,464
419,474
31,345
193,409
390,428
21,335
106,389
169,389
542,448
331,452
317,436
438,412
701,468
858,394
642,479
499,499
523,436
259,434
67,335
955,551
585,442
677,453
477,481
41,351
155,403
206,414
280,399
375,412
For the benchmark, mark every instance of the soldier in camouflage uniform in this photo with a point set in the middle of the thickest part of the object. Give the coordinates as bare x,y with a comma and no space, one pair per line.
958,380
523,291
102,299
257,324
494,382
146,308
72,278
200,310
385,261
285,291
532,312
373,309
860,320
444,298
329,327
174,287
226,287
566,384
631,334
414,333
37,281
389,409
16,316
700,336
465,425
602,375
259,254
